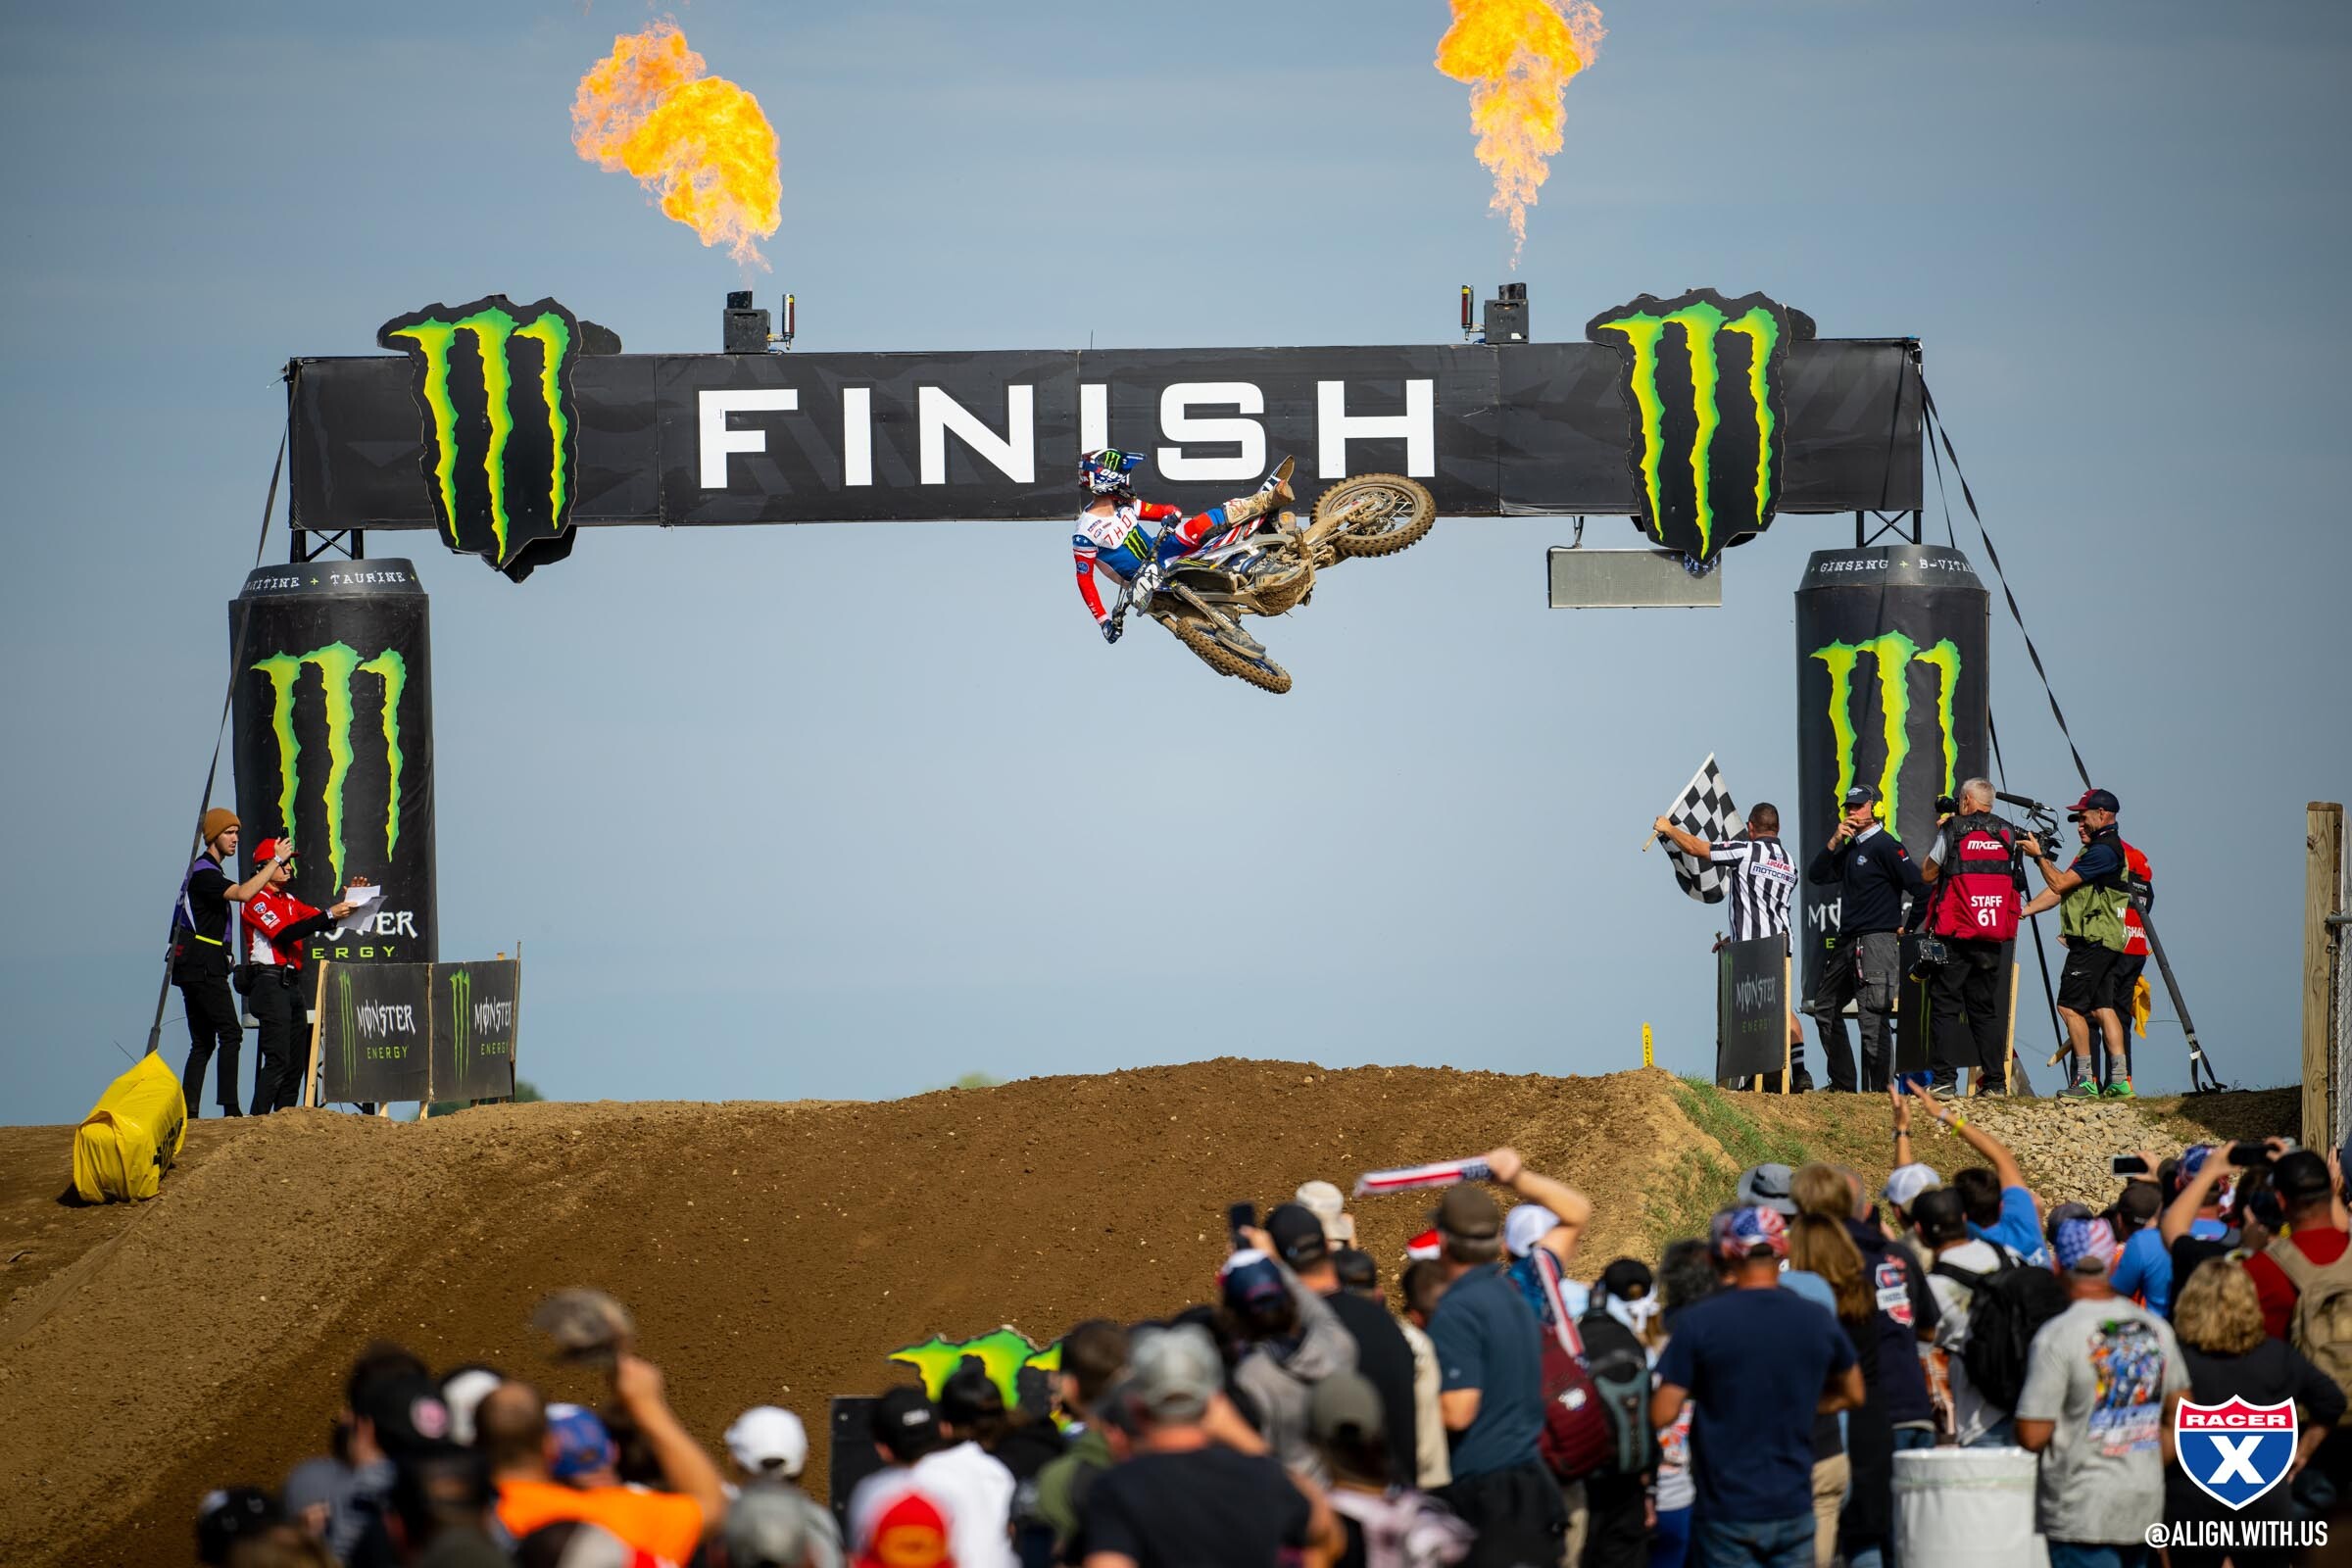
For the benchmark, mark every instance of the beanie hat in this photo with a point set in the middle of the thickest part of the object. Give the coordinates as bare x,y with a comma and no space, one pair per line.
217,821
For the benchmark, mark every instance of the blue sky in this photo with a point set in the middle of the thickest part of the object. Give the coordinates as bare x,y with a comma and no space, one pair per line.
847,811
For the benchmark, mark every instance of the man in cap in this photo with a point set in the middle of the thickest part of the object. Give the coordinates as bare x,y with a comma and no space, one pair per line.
1758,1362
1941,1221
2143,1269
1180,1497
770,1447
767,1527
1324,1201
1373,1506
1295,1335
1491,1391
1382,1354
1872,873
2091,894
277,925
202,949
2097,1379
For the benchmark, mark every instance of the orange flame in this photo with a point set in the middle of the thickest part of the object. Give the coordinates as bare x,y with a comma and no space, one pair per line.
699,142
1517,55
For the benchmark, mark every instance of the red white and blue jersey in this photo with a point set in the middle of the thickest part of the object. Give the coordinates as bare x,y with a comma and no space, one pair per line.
1117,543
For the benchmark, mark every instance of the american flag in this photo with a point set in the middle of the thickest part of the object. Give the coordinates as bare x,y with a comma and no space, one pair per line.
1705,808
1413,1178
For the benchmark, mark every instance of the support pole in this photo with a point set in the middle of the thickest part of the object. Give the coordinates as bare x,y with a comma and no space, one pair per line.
2323,877
1787,1046
310,1073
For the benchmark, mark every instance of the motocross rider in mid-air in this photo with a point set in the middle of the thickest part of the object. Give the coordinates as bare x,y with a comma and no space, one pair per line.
1111,526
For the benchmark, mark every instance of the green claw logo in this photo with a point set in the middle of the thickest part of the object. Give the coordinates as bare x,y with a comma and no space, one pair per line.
1003,1353
339,666
492,383
460,1019
1893,653
1703,390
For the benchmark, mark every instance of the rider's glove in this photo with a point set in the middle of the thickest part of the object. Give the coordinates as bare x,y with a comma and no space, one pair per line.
1110,629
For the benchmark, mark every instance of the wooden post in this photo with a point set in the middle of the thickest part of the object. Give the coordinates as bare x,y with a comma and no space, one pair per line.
2009,1048
1787,1046
310,1073
2323,849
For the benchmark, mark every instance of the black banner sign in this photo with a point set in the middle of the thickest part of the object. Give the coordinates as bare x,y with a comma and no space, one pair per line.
1893,674
333,743
1751,1027
475,1011
375,1032
721,438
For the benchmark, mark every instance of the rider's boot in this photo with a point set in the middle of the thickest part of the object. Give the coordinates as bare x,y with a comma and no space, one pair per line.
1266,498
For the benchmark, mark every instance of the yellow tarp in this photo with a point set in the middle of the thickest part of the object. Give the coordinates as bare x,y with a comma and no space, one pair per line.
131,1136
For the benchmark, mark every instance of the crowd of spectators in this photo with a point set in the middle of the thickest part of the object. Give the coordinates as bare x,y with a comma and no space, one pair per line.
1741,1402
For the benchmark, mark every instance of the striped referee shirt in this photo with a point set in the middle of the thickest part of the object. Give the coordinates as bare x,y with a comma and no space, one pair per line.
1762,877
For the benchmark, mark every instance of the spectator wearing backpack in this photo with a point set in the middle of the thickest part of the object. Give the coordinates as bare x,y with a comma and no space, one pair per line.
1616,1365
2304,1283
2099,1378
1382,1353
1757,1361
2253,1217
1986,1374
2000,1207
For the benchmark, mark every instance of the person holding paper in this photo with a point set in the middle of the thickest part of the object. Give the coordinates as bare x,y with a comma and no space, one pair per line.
276,924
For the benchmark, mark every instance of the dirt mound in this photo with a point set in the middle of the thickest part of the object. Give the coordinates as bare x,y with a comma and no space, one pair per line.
770,1251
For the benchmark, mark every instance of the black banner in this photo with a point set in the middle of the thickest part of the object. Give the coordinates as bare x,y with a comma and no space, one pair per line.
333,743
719,438
476,1008
374,1032
1751,998
1893,674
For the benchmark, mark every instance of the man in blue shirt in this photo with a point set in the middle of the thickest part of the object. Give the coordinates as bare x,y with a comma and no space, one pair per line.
1999,1206
1490,1393
1757,1362
2145,1268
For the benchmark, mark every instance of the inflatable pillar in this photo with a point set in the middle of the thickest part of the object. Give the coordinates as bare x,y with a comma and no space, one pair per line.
1893,679
333,740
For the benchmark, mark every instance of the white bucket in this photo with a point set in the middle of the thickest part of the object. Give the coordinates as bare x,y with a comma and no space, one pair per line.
1966,1508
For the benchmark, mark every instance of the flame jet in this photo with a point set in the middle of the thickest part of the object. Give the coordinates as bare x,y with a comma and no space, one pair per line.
1517,56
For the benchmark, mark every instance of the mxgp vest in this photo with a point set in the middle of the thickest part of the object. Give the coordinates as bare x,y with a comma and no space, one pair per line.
1977,900
2094,910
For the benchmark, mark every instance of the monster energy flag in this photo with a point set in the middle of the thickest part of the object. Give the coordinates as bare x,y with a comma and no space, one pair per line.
1893,674
333,741
375,1033
474,1008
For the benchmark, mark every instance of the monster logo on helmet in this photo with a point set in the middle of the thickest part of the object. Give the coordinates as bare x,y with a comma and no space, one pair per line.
1104,473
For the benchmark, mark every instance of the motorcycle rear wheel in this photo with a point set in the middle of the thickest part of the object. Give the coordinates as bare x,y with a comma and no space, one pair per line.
1376,514
1267,676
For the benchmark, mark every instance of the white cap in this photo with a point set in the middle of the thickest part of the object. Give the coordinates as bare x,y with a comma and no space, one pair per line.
1907,1182
1526,1225
463,1394
766,1437
1323,1200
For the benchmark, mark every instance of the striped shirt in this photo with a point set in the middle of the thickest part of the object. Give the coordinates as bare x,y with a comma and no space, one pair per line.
1762,877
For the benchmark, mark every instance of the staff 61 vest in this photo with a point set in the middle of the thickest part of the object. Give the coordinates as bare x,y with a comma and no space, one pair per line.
1979,901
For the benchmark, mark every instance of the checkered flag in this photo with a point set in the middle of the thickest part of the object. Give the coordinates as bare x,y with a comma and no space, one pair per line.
1705,808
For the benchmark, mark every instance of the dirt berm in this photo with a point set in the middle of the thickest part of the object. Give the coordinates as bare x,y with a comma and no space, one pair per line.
775,1252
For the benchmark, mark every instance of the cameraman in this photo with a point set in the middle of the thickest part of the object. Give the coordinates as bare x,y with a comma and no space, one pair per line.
1973,910
1872,872
2090,896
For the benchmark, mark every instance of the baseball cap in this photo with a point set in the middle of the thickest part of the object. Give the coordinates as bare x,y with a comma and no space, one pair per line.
1627,1279
263,852
408,1413
1342,1401
1766,1187
1250,1281
1861,794
1752,1231
1469,1212
2094,801
2085,1247
766,1527
1526,1225
1905,1182
1298,1235
1938,1215
909,1531
582,1444
1174,1372
1324,1201
229,1515
314,1482
769,1438
904,1423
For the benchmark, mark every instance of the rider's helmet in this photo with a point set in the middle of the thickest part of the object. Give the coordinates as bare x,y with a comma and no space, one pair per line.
1104,473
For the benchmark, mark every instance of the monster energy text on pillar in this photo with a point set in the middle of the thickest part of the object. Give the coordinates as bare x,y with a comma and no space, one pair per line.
335,744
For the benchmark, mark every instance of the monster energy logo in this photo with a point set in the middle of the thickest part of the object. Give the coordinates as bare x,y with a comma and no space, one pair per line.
338,665
493,381
1002,1353
475,1025
1892,655
1707,448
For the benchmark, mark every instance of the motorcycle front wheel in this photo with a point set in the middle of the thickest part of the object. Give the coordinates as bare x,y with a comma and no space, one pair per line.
1375,514
1262,673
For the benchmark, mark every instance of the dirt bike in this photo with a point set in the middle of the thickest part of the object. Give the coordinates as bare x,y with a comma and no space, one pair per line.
1267,566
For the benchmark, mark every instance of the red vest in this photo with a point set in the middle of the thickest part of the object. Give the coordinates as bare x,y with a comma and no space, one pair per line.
1977,900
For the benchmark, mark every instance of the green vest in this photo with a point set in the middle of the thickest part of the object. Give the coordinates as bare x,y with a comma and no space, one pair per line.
2093,912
